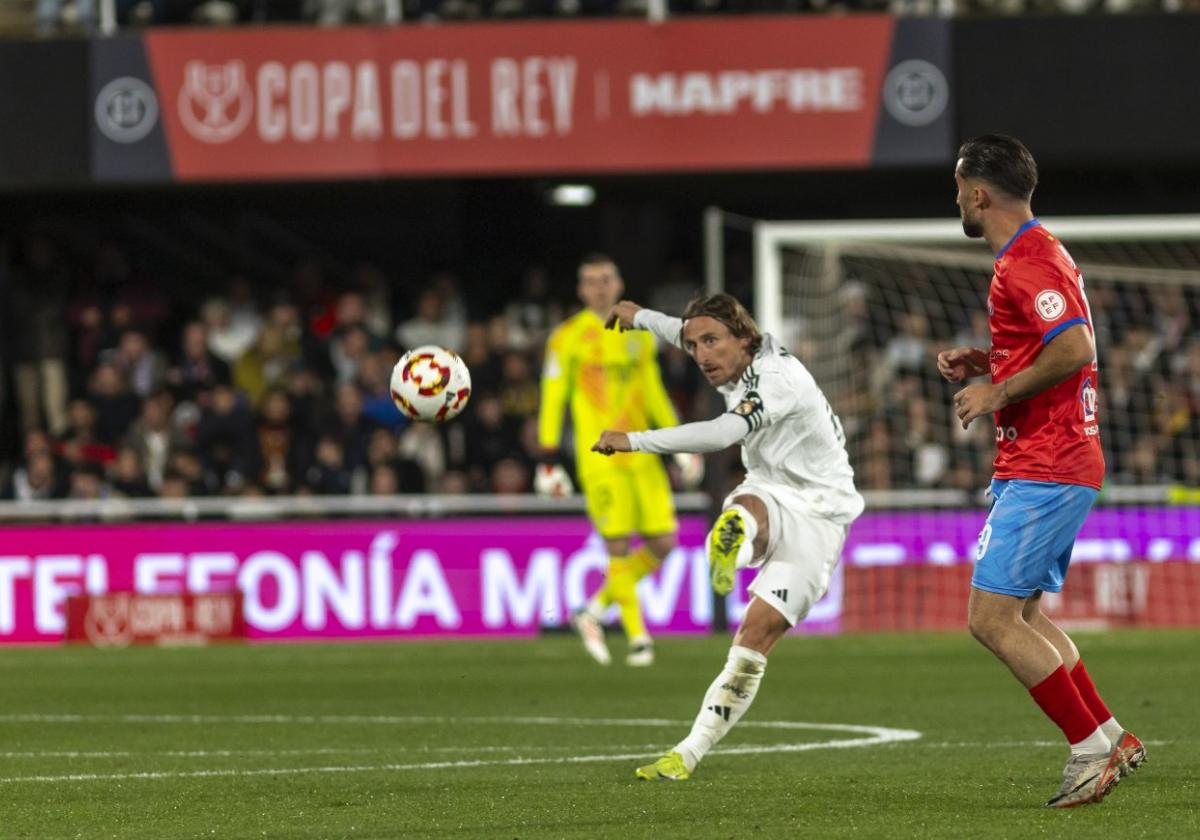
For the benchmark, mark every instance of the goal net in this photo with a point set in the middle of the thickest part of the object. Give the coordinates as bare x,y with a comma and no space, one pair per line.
868,305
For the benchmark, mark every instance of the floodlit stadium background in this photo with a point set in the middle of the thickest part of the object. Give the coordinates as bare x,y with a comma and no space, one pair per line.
222,223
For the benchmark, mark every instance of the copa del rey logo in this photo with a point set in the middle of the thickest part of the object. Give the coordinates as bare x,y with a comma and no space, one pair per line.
306,101
215,101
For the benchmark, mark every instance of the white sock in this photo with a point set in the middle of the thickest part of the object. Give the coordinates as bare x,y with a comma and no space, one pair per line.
1097,742
1111,729
750,524
726,700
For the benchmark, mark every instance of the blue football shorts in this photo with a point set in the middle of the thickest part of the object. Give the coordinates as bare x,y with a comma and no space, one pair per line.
1025,545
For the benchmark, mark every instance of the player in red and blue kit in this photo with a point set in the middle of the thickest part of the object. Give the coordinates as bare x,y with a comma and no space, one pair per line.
1049,465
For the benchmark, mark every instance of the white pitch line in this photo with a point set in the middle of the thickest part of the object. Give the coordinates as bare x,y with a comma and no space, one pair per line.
876,735
475,748
414,720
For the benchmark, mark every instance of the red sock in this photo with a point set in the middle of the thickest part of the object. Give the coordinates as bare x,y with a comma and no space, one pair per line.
1062,703
1087,690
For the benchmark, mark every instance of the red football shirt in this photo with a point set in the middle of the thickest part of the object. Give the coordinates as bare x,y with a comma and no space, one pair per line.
1036,293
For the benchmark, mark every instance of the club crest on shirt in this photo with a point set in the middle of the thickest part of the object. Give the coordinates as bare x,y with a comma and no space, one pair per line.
1050,305
745,408
1087,398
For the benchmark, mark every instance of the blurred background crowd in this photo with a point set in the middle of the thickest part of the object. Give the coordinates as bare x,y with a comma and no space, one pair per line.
58,16
122,386
898,413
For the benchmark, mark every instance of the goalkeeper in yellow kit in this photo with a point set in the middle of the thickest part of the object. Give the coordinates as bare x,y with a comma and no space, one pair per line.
611,380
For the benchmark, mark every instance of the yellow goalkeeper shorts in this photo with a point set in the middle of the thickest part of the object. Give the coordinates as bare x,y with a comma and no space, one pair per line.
630,500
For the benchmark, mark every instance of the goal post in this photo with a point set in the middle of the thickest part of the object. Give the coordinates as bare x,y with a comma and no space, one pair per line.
866,305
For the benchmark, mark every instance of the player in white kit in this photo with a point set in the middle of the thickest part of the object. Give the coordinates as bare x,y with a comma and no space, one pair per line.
789,517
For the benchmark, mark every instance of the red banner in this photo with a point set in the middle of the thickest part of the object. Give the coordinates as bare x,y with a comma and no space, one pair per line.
120,619
538,97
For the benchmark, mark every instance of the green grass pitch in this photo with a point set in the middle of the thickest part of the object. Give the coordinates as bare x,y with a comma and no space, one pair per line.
530,739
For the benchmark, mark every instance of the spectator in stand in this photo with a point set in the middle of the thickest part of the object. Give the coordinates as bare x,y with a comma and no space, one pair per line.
87,483
454,483
186,464
116,406
384,451
39,293
508,477
519,392
225,439
374,383
228,339
424,444
482,361
348,427
197,370
348,347
384,480
144,367
329,475
174,486
265,365
490,438
432,324
153,437
533,313
35,479
126,477
80,443
280,447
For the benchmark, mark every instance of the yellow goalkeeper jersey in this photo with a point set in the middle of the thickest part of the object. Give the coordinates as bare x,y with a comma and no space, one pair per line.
610,379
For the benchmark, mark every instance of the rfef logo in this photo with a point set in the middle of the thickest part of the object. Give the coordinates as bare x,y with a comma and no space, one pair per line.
126,110
915,92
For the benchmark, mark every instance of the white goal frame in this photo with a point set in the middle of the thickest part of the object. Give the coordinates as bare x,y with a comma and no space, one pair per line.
771,237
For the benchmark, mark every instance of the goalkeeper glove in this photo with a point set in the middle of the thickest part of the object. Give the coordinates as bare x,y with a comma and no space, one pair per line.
691,469
553,481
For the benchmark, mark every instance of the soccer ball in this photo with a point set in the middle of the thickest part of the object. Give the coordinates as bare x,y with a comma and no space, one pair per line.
431,383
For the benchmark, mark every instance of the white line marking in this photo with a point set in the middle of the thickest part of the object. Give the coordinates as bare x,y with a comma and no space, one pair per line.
874,736
420,720
471,748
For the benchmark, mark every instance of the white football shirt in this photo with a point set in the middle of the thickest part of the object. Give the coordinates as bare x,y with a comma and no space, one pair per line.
791,436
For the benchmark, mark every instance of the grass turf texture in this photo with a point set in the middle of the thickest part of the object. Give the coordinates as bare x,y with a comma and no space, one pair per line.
986,761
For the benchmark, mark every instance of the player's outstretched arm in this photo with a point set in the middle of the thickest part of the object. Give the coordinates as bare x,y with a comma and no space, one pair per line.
962,363
705,436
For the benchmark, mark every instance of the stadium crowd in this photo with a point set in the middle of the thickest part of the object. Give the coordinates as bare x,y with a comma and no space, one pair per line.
117,388
898,413
55,16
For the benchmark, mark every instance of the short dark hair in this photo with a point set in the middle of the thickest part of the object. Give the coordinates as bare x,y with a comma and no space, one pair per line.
1002,161
598,258
729,311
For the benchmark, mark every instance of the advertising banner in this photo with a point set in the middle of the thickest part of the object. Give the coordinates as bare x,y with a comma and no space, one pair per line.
120,619
489,576
530,98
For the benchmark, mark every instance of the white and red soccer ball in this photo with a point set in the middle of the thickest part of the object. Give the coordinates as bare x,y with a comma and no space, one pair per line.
431,383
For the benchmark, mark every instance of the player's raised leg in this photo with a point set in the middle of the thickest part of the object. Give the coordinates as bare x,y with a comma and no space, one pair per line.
729,695
739,534
1132,753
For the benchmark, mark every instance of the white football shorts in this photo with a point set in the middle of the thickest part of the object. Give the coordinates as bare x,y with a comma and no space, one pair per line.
802,550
